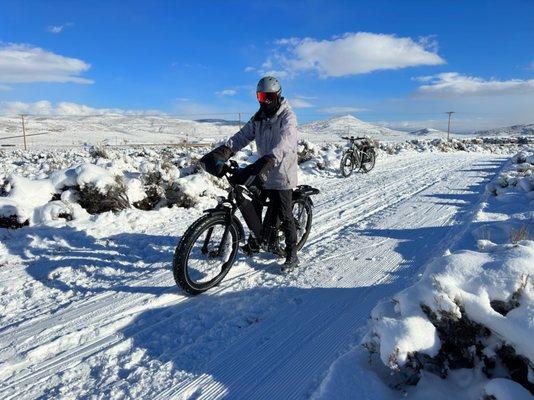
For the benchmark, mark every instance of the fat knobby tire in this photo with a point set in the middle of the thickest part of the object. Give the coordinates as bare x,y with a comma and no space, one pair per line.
181,254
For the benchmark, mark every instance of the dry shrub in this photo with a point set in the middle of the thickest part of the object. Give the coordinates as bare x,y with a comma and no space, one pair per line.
462,346
161,192
12,222
154,189
4,185
516,365
98,151
175,195
154,196
371,142
517,235
96,202
306,154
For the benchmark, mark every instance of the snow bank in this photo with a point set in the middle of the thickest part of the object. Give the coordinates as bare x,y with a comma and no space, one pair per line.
35,190
494,145
473,307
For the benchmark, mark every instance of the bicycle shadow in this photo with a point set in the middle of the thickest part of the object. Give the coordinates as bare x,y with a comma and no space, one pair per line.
245,344
72,261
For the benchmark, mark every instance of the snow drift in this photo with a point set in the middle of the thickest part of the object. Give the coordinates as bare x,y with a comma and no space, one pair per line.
473,307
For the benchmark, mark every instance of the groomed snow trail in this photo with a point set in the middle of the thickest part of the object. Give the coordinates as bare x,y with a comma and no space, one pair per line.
127,331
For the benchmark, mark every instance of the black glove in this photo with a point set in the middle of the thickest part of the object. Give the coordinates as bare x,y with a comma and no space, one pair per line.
213,162
259,170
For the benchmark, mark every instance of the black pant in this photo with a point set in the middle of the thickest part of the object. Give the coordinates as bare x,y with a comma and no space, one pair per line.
280,210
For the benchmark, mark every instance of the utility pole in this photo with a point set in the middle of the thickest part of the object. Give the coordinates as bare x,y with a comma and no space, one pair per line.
449,126
23,131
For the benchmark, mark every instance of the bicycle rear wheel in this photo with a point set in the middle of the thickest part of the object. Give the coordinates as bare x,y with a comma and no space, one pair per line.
302,213
368,159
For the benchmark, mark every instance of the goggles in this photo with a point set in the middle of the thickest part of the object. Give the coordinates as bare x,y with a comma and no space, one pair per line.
266,97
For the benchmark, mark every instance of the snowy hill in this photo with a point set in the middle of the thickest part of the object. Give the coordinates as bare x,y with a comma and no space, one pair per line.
514,130
46,131
113,129
348,125
429,132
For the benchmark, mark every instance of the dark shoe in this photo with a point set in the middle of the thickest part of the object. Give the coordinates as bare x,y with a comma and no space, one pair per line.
275,249
251,247
291,263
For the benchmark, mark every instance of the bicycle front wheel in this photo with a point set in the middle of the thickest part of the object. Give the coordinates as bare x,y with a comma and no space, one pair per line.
347,164
205,254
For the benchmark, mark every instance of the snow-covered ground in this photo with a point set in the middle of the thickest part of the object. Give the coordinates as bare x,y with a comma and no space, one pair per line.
90,308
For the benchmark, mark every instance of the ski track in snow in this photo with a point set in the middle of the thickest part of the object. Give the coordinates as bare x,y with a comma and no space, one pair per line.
259,334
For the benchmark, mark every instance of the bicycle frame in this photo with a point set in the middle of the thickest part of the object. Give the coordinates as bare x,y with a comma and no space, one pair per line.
240,197
237,195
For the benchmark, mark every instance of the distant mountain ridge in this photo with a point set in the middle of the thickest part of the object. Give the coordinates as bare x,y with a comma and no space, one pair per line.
514,130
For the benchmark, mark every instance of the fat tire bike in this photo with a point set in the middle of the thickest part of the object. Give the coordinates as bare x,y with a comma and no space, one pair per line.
209,247
360,156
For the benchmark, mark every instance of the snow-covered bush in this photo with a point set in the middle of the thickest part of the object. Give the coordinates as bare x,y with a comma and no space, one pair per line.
519,176
99,151
150,178
472,308
144,179
494,145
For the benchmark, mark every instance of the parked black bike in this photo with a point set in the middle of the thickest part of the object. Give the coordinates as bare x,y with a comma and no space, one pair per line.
360,156
209,247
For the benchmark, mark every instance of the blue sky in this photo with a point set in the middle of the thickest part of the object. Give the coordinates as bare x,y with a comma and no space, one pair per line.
400,63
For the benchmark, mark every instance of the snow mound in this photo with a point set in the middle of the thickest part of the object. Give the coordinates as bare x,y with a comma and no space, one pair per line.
33,193
474,307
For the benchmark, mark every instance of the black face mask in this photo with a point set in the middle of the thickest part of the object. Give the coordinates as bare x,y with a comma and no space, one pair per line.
269,109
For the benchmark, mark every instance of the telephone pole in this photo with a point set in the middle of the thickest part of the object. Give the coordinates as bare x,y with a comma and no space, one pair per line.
449,127
23,131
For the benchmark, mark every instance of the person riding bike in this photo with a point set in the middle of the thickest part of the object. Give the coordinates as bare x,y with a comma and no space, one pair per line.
274,128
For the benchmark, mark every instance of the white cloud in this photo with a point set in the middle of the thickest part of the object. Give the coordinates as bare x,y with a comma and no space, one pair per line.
4,88
58,28
341,110
350,54
22,63
455,84
226,92
45,107
55,29
300,103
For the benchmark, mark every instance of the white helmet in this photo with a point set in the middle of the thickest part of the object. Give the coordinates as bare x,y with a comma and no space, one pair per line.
269,84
